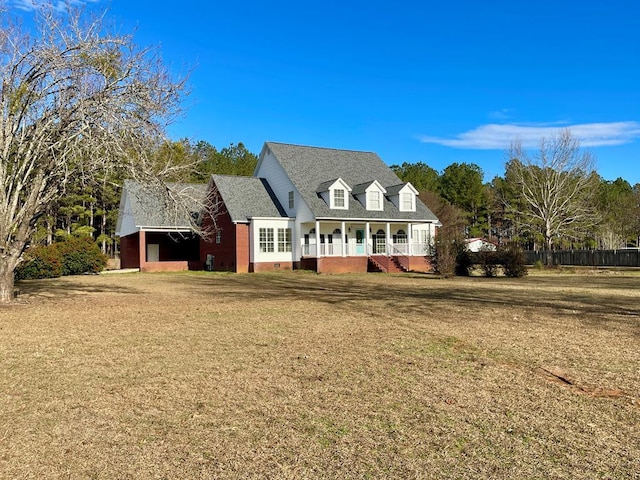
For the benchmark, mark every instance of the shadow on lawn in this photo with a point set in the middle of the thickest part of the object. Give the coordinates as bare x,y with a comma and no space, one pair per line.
572,296
67,286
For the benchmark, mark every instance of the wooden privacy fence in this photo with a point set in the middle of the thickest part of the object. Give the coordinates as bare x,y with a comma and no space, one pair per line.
586,258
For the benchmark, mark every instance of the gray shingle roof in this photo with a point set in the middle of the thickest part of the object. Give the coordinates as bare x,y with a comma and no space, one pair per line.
153,207
395,189
310,167
247,197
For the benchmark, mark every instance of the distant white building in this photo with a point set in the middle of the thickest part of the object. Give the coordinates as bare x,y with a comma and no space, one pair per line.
480,245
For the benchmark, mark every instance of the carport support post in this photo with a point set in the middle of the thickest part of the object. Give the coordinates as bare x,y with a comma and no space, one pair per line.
142,248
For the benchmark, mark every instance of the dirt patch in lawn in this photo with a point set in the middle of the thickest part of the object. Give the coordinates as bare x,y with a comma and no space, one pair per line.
297,375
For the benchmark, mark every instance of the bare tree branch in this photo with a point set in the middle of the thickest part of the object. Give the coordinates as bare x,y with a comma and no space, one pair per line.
555,184
76,100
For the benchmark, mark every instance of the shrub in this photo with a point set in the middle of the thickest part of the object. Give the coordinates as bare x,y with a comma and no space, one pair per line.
81,255
40,262
464,262
73,256
445,257
489,261
513,261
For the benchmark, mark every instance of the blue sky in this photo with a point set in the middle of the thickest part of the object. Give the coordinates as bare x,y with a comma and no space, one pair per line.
436,82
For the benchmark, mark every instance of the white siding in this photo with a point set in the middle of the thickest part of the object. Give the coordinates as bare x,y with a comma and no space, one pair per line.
270,169
423,232
256,256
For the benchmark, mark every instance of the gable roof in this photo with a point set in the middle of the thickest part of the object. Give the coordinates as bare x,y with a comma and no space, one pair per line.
150,207
247,197
309,167
362,187
395,189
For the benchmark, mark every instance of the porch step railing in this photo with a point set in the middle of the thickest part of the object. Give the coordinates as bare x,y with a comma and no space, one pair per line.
399,258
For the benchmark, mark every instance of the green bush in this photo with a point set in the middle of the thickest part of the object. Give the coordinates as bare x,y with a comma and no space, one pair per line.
80,255
73,256
40,262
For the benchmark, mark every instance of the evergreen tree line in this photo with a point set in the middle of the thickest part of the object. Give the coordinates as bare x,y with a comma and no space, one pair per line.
90,208
469,207
466,205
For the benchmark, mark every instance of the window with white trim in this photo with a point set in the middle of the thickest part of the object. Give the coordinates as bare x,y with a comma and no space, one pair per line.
406,202
266,240
374,200
284,240
338,198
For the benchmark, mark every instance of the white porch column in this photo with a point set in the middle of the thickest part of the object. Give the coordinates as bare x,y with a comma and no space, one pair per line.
409,240
317,238
367,233
388,246
342,241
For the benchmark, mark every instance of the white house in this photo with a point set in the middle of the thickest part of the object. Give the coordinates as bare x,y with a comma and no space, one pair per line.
320,209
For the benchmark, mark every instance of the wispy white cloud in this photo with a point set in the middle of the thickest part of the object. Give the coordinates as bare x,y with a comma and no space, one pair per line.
500,136
58,5
502,114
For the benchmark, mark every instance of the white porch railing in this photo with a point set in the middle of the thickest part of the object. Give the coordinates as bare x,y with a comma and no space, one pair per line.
353,249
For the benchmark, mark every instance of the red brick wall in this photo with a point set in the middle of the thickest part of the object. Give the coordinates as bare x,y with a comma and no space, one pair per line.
270,266
243,243
342,264
421,264
232,253
130,251
177,266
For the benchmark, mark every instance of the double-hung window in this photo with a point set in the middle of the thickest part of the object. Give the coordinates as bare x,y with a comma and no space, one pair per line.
406,200
266,240
374,200
338,198
284,240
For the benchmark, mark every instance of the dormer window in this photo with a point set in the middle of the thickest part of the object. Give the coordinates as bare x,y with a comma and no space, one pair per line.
335,193
370,195
403,196
407,202
374,200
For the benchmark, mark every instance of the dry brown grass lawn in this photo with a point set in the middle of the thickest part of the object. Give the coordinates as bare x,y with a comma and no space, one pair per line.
296,375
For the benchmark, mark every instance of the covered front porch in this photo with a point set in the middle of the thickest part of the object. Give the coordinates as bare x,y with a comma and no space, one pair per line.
374,240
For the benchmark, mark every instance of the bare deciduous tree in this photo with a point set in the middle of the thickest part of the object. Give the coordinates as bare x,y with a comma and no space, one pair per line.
555,187
76,101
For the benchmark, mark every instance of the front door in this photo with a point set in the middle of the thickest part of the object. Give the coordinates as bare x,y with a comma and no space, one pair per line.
360,242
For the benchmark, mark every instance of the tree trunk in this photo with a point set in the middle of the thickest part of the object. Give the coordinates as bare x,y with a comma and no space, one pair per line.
6,282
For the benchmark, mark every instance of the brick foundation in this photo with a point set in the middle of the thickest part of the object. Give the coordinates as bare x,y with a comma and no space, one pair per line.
421,264
342,265
165,267
270,266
